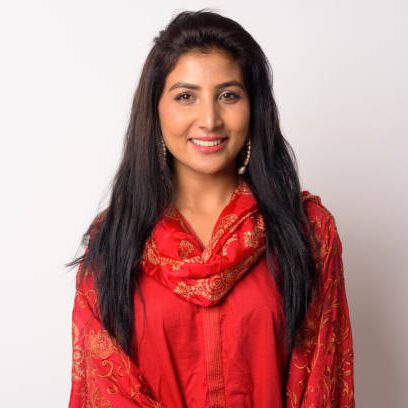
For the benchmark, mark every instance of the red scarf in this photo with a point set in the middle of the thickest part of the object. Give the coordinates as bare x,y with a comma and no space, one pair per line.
174,256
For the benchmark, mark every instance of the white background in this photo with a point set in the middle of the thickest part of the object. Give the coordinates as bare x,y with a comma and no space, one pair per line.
68,71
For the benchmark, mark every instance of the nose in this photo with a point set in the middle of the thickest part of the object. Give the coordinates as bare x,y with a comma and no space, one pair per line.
209,115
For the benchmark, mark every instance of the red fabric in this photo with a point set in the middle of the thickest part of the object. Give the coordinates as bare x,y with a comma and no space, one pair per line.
211,332
174,256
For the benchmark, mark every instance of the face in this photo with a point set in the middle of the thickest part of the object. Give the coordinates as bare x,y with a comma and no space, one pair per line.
204,113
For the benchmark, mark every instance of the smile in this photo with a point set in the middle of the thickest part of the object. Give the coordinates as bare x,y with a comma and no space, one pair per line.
208,146
207,142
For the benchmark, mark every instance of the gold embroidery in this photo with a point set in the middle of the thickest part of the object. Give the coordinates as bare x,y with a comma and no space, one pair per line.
185,248
324,341
243,189
96,355
228,223
252,238
100,344
98,401
225,247
216,286
322,337
213,287
78,356
152,254
172,213
223,225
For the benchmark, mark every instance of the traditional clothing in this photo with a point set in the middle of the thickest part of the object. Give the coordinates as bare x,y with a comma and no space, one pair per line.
211,331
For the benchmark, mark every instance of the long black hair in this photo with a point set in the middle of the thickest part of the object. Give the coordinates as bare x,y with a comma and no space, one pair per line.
143,187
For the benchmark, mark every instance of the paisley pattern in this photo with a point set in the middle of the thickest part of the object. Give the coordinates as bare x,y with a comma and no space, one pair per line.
321,364
100,344
216,286
320,367
102,374
252,238
185,248
243,228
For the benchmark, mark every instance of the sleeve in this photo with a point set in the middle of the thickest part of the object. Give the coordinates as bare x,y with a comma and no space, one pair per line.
102,375
321,363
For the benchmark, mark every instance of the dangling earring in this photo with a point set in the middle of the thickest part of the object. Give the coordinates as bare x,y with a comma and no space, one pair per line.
164,149
163,158
242,169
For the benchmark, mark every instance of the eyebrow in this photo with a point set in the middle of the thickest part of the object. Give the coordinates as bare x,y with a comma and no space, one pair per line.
196,87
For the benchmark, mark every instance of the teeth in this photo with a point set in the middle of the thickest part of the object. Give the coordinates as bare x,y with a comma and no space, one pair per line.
206,143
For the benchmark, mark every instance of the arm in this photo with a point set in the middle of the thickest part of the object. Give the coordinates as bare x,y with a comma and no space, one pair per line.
321,365
102,373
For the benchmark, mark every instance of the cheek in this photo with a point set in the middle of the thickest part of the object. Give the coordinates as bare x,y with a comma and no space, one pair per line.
171,121
238,120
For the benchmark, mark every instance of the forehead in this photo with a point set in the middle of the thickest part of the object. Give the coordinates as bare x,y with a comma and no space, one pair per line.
210,66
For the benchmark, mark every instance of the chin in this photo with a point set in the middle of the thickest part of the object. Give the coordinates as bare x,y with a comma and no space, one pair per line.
212,170
207,168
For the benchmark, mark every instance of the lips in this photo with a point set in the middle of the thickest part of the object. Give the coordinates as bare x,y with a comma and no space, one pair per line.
207,142
208,139
208,145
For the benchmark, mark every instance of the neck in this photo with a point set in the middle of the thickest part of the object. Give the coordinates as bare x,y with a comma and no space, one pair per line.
203,193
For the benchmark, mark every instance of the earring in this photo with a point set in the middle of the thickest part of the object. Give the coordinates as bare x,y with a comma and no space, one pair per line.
164,149
242,169
163,159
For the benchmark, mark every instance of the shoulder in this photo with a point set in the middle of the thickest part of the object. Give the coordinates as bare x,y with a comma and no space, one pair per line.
314,208
85,279
322,222
317,213
85,290
97,222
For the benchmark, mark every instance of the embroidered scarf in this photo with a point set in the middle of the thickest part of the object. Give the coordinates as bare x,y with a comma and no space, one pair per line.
174,256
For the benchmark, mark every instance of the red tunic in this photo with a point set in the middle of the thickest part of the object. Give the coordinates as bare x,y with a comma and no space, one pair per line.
216,340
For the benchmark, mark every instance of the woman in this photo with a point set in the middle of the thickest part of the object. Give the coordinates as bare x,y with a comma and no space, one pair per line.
211,280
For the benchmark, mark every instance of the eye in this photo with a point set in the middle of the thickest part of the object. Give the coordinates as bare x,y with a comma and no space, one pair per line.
230,95
183,96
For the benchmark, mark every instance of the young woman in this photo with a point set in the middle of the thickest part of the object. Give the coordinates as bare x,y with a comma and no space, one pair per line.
211,280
